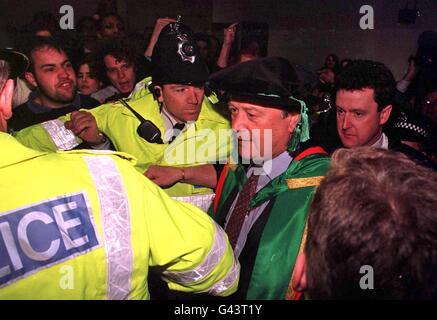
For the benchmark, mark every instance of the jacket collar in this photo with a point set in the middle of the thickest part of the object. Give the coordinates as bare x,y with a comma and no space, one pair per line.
146,101
39,108
14,152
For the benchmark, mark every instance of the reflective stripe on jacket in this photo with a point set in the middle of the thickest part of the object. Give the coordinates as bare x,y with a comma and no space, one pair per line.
208,140
85,225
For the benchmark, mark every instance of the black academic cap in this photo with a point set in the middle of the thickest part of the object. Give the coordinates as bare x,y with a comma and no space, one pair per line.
268,82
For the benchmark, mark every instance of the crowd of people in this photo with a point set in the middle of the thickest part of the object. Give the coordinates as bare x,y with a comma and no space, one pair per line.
200,172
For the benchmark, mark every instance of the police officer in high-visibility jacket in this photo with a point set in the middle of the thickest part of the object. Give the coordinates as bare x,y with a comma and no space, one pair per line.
169,124
84,225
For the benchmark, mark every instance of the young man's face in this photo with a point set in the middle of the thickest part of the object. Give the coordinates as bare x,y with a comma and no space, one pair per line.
121,73
53,75
359,123
262,132
183,102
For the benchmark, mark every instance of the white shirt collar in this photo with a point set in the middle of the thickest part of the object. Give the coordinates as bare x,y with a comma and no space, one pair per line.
273,167
169,122
382,142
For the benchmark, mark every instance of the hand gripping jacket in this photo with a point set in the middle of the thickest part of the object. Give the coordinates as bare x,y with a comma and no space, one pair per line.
208,140
81,225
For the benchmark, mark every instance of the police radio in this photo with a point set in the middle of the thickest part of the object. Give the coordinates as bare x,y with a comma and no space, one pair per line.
147,129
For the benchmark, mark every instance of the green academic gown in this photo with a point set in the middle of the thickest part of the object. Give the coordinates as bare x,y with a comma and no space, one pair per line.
268,258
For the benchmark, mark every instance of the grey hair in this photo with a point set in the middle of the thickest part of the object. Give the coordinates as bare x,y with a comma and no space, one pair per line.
4,73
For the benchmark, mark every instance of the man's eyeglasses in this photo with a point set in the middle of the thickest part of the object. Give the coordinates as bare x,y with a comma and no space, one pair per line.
147,129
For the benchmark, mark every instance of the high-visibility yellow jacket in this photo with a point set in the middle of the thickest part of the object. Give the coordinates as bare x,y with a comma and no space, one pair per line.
86,225
207,140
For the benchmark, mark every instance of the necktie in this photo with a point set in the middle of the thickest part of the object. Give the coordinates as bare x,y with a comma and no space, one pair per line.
177,128
241,209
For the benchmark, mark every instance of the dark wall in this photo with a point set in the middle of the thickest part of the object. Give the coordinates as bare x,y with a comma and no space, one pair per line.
16,13
304,31
142,14
138,14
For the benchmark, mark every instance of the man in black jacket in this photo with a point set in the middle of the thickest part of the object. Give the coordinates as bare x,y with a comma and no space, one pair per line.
364,103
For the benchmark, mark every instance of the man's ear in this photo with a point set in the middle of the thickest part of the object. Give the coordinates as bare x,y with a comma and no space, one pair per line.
157,92
31,78
385,114
6,96
294,119
299,280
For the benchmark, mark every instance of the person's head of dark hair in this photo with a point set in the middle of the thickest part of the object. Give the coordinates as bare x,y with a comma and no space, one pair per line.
119,48
90,60
426,55
372,222
138,43
43,21
253,43
87,26
203,44
214,47
332,59
102,24
109,14
35,43
213,38
366,74
202,37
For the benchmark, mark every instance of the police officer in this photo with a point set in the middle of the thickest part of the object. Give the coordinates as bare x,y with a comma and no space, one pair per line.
82,225
165,115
